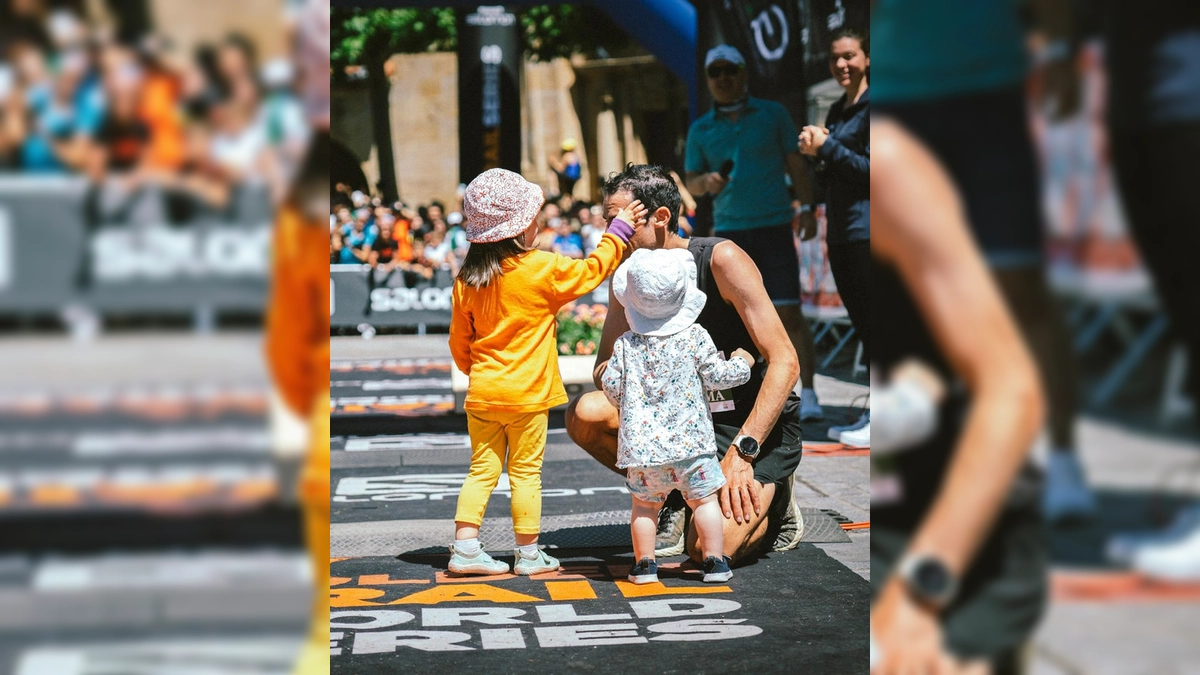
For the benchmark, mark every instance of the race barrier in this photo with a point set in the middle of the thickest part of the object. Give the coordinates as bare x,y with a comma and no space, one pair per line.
64,242
393,300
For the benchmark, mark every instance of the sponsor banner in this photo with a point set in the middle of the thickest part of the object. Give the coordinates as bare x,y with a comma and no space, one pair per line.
354,301
132,261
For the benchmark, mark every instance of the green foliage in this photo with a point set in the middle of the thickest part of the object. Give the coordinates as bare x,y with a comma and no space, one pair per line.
547,31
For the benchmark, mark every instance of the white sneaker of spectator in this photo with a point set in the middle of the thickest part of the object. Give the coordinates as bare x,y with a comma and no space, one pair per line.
836,432
1177,560
857,438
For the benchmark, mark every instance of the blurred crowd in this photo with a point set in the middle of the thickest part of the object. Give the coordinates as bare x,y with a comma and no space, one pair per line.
417,241
131,111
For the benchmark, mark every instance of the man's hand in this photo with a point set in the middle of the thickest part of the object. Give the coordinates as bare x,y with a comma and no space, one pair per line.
714,183
739,496
806,225
907,635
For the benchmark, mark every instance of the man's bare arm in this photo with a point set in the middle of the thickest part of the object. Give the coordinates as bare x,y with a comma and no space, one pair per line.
797,168
921,231
741,285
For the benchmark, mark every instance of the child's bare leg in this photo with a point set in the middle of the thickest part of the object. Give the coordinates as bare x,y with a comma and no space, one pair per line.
465,530
525,539
710,526
643,525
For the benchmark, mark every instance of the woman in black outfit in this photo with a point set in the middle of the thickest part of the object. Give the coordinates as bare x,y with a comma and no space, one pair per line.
843,148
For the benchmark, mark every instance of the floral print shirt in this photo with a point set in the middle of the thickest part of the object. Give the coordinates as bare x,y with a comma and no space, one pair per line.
658,384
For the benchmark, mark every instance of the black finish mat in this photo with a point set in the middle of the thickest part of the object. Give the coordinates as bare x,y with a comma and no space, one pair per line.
799,612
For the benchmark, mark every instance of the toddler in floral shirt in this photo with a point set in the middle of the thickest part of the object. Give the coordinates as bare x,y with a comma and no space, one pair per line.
656,378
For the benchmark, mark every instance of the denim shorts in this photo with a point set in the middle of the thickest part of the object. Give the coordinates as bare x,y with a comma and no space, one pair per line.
696,478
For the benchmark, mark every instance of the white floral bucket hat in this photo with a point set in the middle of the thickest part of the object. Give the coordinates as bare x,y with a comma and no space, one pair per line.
659,292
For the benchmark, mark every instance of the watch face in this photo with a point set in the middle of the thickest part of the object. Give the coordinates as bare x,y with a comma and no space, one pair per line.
931,578
748,446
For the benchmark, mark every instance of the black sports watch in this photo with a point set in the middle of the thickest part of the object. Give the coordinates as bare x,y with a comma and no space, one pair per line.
746,446
928,579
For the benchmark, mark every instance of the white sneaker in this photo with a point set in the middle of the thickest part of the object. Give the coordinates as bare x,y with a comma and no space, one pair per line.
1177,560
1066,495
1123,546
835,432
810,408
857,438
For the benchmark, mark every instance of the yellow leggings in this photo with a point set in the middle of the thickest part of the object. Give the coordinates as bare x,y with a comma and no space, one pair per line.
523,435
314,503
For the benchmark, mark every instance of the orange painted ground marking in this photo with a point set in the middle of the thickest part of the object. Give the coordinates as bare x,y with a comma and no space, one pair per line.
354,597
1119,586
462,593
632,590
570,590
834,450
55,495
386,580
338,581
865,525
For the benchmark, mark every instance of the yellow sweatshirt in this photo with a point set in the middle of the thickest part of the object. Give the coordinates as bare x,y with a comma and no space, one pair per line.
504,335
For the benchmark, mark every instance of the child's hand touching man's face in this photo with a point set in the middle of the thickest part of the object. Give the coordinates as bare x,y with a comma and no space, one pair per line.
633,213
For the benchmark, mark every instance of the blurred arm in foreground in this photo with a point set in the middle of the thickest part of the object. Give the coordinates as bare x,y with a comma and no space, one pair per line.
297,339
920,233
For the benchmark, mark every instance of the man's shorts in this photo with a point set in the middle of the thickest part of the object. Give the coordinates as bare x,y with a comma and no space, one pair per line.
780,451
695,478
983,141
773,250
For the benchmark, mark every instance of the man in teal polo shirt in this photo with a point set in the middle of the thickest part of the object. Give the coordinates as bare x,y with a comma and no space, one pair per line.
751,205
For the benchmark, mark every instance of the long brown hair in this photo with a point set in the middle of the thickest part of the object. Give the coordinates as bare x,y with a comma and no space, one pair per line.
485,262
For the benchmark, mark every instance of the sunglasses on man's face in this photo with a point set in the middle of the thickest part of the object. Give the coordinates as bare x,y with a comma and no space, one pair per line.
717,71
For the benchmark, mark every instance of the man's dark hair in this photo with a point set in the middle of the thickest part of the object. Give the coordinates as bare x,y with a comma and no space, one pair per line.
864,38
650,184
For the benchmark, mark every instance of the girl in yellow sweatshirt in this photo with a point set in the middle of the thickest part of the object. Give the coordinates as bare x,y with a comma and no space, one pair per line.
502,334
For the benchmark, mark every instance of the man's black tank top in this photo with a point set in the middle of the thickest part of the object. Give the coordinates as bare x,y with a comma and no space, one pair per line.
728,332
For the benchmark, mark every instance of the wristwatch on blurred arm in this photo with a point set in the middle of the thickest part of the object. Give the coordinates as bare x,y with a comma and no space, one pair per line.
928,579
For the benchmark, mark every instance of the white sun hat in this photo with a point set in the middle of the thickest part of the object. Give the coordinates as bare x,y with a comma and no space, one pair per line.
498,205
659,292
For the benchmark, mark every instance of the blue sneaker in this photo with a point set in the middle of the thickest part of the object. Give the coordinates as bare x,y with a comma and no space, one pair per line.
527,566
480,563
645,572
717,569
810,409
